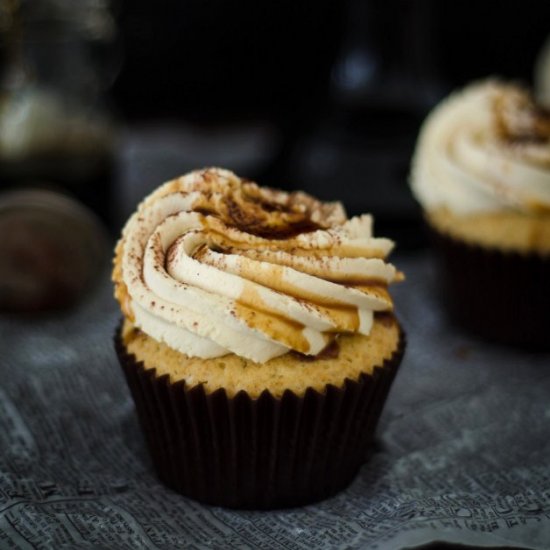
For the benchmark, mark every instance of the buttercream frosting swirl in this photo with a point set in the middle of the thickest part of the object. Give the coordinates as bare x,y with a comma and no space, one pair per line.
211,264
485,148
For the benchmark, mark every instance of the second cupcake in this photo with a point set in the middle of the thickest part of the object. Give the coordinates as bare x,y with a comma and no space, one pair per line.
481,172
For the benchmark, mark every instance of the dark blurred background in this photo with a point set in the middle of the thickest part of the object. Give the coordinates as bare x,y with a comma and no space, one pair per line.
326,96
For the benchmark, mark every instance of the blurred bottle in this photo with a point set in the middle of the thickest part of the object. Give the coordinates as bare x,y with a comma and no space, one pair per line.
55,131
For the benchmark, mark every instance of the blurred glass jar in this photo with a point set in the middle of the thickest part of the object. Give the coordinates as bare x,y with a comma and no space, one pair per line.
55,131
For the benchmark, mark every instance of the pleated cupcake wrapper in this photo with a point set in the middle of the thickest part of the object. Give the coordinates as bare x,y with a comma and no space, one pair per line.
498,295
261,453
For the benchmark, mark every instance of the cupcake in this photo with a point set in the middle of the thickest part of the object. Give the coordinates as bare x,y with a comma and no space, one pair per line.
481,172
258,339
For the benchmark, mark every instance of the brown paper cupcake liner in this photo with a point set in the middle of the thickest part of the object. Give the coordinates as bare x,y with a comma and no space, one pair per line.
498,295
261,453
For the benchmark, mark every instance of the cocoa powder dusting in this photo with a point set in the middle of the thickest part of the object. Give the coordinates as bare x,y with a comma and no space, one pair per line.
281,224
519,119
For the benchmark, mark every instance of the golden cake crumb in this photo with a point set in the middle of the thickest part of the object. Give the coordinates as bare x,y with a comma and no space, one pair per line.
507,230
357,354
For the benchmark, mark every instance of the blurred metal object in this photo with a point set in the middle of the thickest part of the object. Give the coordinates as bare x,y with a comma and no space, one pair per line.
53,123
52,250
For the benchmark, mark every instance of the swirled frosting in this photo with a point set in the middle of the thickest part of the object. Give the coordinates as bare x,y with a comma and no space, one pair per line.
483,149
211,264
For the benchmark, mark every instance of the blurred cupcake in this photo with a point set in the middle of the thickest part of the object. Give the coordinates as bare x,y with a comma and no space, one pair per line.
481,172
258,339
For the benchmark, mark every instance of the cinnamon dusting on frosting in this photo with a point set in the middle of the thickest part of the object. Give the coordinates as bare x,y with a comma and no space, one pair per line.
519,118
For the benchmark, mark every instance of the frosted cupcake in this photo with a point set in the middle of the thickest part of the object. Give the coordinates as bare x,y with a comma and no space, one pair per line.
258,338
481,172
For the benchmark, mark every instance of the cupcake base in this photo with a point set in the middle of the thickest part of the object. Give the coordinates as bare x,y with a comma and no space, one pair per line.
498,295
263,453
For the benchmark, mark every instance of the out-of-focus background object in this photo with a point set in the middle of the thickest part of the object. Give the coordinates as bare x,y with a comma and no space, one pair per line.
54,128
57,151
52,250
